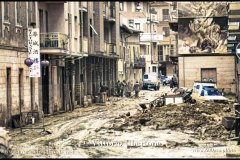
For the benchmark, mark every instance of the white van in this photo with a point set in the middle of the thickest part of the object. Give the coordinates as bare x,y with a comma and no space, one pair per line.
151,80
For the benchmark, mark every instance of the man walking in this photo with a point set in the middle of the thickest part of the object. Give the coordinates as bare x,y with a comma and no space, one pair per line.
118,88
136,88
122,86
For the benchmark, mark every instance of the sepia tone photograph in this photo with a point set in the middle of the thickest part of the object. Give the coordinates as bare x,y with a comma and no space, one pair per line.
119,79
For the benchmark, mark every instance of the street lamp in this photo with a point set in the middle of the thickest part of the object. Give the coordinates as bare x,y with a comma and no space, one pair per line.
28,62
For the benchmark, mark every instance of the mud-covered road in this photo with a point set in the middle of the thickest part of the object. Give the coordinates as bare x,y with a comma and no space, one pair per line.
122,130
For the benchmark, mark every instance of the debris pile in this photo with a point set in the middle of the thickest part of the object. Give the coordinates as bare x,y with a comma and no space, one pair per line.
202,120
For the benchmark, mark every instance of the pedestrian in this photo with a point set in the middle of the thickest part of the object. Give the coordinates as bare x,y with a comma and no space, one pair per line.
124,88
121,88
171,83
118,88
136,88
103,92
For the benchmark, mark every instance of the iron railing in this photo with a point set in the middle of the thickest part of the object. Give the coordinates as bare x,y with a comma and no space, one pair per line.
53,40
166,17
109,48
112,48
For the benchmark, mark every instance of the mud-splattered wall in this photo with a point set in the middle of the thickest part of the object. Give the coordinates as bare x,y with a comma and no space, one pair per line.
202,27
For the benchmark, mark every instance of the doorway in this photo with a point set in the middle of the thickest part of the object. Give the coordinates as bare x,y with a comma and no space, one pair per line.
20,82
9,97
45,87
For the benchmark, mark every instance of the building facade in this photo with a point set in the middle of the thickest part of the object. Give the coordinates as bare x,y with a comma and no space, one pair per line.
167,47
202,45
131,64
19,92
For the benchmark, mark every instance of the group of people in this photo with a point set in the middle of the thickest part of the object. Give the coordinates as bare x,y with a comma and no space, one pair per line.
122,88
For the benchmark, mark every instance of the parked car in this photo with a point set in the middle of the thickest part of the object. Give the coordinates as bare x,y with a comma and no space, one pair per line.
167,80
208,91
151,80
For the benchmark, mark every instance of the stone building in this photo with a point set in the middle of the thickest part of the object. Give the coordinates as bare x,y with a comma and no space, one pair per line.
167,46
18,90
132,60
79,40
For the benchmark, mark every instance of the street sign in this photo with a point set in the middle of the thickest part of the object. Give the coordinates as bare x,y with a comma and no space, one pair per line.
34,52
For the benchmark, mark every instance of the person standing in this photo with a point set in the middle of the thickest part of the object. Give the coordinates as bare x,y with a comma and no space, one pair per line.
171,83
118,88
136,88
121,88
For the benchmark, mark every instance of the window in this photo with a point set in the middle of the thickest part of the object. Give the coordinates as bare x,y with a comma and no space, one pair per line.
154,28
18,13
6,11
46,20
165,14
137,26
172,50
121,4
131,22
166,31
31,9
154,69
160,53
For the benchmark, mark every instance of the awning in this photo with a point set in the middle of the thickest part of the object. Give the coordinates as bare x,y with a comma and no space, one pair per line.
128,30
93,29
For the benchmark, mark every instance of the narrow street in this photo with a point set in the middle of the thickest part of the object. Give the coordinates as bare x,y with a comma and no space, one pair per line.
102,132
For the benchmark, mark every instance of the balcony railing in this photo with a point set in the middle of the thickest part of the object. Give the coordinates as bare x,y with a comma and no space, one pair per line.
110,48
139,62
160,58
166,17
53,40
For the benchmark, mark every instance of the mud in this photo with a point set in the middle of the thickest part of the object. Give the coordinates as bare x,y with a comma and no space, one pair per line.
203,119
124,129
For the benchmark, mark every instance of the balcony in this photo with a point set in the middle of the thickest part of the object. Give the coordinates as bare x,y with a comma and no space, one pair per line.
109,13
160,58
109,48
139,63
166,18
112,48
54,42
148,37
154,17
173,16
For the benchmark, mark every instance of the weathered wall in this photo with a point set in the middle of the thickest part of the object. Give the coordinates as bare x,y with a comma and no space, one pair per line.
190,70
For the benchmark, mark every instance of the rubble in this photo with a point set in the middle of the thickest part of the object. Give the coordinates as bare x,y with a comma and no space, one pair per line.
200,120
